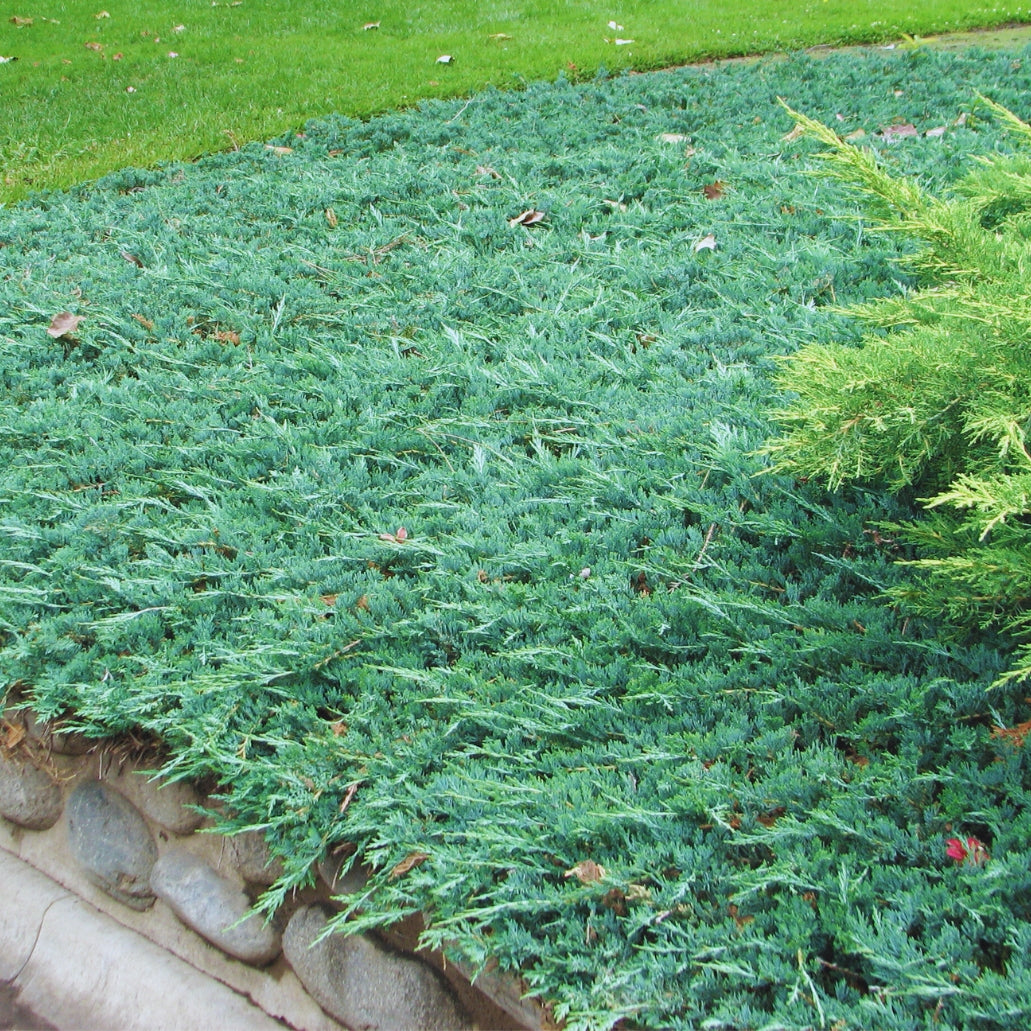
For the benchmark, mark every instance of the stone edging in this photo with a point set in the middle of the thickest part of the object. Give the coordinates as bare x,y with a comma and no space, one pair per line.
84,814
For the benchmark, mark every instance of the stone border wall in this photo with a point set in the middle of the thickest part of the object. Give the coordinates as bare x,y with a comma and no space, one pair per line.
82,812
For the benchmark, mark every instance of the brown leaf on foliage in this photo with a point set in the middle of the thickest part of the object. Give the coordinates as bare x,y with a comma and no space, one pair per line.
63,324
406,864
20,22
796,133
714,190
132,257
741,921
1015,736
279,150
530,217
898,132
331,218
587,871
98,47
706,243
143,321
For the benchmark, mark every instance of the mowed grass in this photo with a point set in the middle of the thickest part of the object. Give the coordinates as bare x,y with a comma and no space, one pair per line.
105,85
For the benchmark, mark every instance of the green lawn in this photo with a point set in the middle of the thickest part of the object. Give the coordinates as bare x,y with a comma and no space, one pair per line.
89,94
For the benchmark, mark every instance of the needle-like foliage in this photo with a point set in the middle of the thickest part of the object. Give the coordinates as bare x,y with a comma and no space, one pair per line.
937,400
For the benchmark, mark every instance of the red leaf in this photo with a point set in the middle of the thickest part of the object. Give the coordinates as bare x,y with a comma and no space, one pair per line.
714,190
63,324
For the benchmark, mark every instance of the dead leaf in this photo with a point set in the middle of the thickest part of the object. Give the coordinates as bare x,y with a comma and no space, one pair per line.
14,734
399,536
713,191
856,134
348,795
132,257
329,599
102,14
63,324
898,132
499,36
587,871
741,921
530,217
143,321
406,864
331,218
279,150
673,137
1015,736
706,243
98,47
796,133
935,132
20,22
370,25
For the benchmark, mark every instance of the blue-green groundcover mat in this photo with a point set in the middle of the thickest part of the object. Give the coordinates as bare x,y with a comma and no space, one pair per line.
435,537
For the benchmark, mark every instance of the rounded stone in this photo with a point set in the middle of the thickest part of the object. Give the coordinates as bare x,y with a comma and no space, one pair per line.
343,883
214,907
248,853
112,841
362,984
29,796
167,803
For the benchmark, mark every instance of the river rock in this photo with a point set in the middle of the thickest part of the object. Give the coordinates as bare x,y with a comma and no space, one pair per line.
248,852
350,882
362,984
166,803
213,906
112,841
29,796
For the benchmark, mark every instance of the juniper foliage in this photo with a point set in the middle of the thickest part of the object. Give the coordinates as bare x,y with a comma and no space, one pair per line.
602,636
937,399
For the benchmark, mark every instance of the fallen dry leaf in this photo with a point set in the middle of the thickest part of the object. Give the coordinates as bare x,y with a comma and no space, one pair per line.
331,218
856,134
143,321
587,871
14,734
279,150
102,14
399,536
898,132
499,36
796,133
98,47
132,257
706,243
713,191
370,25
937,131
63,324
530,217
673,137
20,22
406,864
